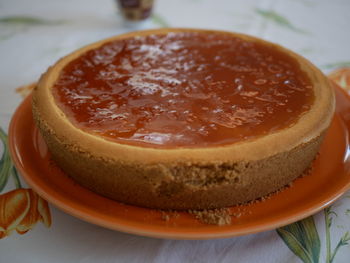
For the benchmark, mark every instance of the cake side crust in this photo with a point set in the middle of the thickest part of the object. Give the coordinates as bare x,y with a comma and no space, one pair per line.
180,185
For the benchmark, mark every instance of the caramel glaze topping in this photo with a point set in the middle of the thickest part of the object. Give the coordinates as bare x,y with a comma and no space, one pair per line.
183,90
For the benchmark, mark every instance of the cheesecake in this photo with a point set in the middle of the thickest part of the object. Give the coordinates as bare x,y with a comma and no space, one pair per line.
183,118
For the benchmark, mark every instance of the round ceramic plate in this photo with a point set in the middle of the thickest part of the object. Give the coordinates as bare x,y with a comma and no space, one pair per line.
329,179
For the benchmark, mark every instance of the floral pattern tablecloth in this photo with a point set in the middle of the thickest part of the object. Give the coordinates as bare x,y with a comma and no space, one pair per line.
35,33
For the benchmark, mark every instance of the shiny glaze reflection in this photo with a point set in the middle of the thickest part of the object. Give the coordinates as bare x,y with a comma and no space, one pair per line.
183,90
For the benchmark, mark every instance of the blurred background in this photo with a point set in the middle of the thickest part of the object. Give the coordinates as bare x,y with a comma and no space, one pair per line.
35,33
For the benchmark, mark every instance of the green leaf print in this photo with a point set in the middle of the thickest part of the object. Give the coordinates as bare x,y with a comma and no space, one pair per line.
159,20
342,242
303,239
5,161
6,166
278,19
20,24
341,64
27,20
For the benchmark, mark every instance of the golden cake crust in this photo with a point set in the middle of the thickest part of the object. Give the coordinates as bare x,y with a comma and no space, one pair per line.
183,178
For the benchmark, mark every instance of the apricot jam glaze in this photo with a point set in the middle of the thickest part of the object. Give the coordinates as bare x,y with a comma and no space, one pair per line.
184,89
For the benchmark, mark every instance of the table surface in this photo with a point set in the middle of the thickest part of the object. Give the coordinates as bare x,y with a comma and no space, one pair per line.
35,33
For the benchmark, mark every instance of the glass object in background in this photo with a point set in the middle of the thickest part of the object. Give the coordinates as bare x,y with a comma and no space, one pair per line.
135,10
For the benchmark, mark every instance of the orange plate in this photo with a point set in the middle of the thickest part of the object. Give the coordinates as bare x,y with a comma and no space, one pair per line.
330,178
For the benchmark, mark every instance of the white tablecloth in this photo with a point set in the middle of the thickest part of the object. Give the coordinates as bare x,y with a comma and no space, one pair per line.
35,33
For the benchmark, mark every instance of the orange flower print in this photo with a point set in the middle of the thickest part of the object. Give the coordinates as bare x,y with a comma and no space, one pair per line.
26,89
341,77
20,210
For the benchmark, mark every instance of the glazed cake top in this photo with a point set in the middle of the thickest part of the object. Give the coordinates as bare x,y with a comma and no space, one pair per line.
183,89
